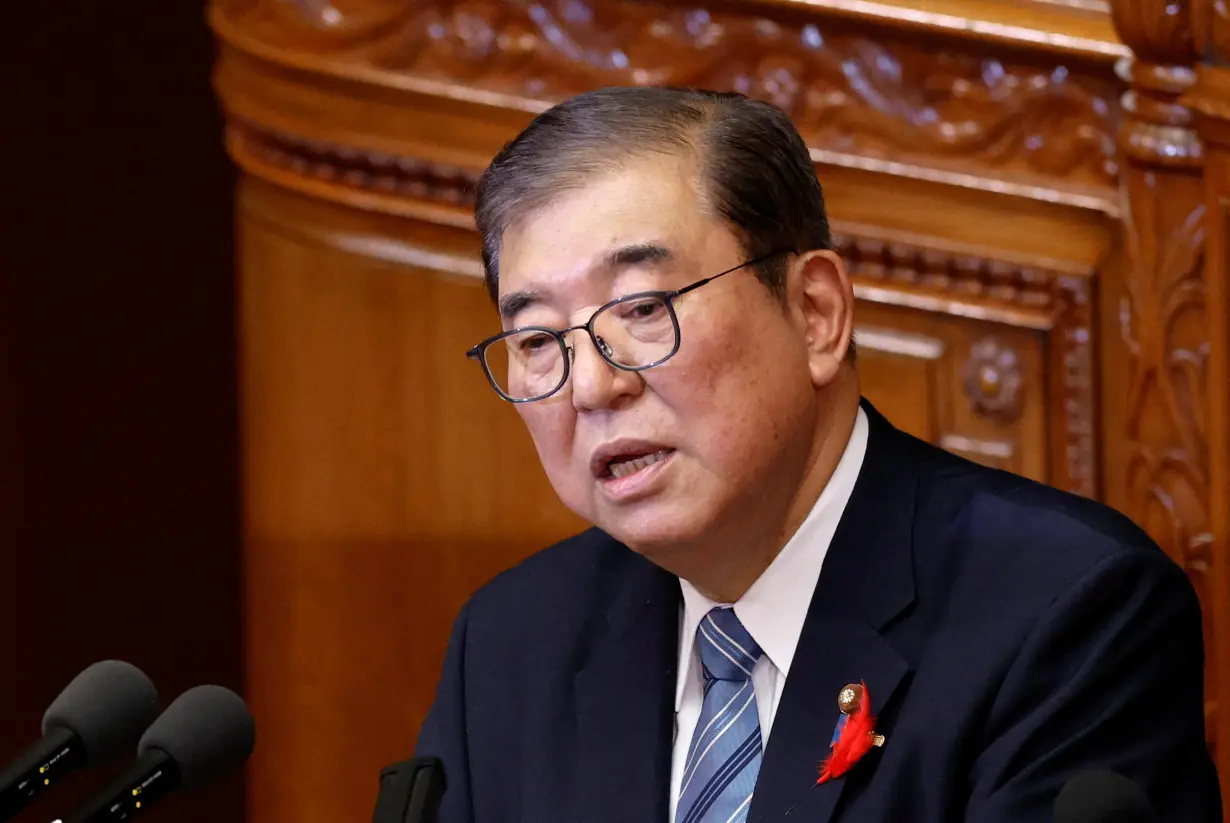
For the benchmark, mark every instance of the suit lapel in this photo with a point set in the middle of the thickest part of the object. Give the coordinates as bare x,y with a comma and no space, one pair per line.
804,723
626,703
866,582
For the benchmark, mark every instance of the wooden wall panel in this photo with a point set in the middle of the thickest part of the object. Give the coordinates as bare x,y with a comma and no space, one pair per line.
386,481
976,388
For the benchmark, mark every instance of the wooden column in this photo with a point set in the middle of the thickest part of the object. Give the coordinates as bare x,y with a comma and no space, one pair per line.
1168,444
1209,98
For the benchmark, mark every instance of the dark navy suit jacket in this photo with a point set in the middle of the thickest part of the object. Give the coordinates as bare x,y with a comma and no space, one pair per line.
1010,636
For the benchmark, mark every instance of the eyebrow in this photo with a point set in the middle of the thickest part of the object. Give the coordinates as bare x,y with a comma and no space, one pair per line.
636,254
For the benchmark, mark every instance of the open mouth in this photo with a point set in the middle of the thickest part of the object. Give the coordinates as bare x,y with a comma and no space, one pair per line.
625,465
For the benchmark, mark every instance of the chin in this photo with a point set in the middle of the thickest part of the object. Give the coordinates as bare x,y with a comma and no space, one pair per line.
657,531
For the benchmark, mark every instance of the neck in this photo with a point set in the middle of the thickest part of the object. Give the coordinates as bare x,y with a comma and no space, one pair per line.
725,574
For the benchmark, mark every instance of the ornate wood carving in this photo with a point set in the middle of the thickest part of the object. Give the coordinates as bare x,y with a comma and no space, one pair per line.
1209,99
1162,323
968,275
1165,317
329,162
992,380
1072,380
883,96
1161,316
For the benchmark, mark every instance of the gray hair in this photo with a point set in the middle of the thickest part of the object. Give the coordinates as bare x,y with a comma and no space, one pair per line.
757,172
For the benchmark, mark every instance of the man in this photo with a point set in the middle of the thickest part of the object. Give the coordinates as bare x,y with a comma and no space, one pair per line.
678,341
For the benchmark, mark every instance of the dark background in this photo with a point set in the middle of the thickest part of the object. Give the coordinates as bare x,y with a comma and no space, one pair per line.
119,500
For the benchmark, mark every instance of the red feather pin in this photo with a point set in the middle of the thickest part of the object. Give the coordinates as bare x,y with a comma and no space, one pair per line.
855,733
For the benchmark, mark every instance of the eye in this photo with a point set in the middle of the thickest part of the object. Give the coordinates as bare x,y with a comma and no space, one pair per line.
649,308
531,342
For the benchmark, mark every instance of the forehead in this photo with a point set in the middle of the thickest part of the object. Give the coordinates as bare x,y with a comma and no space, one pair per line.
653,200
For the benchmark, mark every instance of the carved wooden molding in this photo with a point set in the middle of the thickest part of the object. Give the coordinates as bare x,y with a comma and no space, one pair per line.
1074,381
869,255
957,274
1162,321
1073,27
1034,120
334,163
1079,27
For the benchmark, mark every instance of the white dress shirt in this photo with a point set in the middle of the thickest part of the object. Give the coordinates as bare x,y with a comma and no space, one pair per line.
772,610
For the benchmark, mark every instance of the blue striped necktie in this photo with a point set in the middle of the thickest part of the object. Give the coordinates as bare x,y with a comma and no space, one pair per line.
724,758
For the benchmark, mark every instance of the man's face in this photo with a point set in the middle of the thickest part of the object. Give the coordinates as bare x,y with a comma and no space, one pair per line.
679,454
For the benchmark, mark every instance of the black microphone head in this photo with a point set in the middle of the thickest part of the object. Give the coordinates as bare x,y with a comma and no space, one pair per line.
1102,796
207,731
108,706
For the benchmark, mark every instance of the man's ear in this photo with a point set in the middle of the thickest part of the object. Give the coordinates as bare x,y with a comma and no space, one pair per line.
822,299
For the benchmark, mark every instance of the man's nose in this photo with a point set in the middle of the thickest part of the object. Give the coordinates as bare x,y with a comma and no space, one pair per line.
596,384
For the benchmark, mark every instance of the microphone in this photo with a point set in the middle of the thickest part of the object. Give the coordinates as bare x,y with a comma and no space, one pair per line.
207,731
100,713
410,791
1102,796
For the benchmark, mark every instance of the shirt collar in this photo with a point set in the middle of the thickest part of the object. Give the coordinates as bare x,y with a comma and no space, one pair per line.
774,608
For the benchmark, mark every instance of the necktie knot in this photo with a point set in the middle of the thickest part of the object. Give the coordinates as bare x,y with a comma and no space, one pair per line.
727,651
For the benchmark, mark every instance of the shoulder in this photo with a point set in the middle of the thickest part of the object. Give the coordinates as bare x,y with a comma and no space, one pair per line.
1019,542
560,589
560,568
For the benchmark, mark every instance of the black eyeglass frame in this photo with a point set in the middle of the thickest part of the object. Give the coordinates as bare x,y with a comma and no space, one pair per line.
479,352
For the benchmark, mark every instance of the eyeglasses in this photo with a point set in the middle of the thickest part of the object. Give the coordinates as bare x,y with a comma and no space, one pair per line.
633,333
